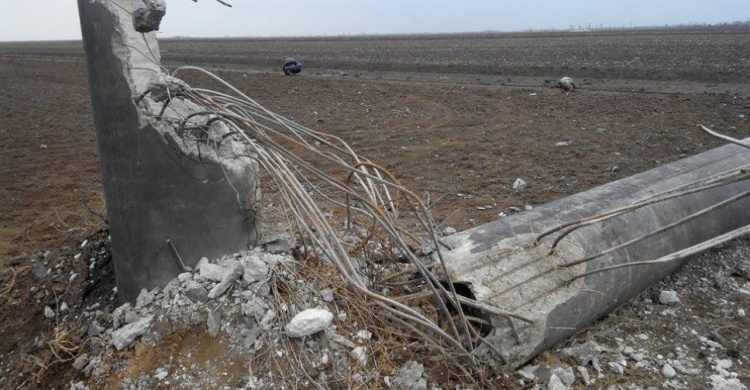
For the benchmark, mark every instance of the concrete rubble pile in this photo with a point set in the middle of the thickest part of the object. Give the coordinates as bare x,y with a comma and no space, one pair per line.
231,298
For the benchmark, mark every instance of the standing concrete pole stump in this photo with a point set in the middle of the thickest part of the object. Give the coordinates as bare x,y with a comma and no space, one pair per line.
167,205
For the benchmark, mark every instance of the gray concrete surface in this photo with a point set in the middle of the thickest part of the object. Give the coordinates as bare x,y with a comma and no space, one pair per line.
154,190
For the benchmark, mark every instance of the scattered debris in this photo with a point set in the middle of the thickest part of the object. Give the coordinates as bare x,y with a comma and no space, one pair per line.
566,84
291,66
125,336
668,297
519,184
410,377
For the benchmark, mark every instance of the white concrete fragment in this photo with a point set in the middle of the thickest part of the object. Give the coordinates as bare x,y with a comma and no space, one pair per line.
718,382
161,373
327,295
360,353
409,376
125,336
309,322
519,184
668,371
449,230
212,272
213,322
555,383
565,374
144,298
617,368
226,282
668,297
254,270
583,373
364,334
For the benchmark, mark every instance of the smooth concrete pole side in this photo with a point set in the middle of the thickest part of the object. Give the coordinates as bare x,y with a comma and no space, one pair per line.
163,205
502,268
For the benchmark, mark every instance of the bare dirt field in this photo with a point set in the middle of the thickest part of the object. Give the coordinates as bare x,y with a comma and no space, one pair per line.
461,117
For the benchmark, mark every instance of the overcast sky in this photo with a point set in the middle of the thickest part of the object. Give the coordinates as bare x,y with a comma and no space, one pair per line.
24,20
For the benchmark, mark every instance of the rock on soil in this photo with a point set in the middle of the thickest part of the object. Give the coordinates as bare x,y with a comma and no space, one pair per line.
309,322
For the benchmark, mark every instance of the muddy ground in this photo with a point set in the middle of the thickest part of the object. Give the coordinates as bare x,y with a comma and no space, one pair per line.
464,138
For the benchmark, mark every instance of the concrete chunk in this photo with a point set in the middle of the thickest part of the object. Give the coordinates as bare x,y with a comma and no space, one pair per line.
125,336
309,322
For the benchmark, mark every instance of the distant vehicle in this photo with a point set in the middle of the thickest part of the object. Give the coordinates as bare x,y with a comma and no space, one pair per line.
291,66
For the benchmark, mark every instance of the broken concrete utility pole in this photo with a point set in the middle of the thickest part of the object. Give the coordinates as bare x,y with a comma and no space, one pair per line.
169,201
562,292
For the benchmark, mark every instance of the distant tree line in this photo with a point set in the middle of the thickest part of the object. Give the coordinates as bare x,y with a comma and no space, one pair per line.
738,25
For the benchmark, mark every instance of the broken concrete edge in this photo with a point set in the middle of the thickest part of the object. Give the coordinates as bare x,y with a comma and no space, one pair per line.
501,266
156,191
148,17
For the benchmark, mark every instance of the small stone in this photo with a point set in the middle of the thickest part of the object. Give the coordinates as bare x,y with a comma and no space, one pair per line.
39,271
741,313
566,84
226,282
81,362
63,307
213,322
48,312
565,374
94,329
668,371
145,298
161,374
309,322
125,336
212,272
360,353
184,277
254,270
668,297
337,338
327,295
195,292
79,386
724,364
583,373
364,334
555,383
409,376
562,144
617,368
719,382
584,353
519,184
279,245
449,231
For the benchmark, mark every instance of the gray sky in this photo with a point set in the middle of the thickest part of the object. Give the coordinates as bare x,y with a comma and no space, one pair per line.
58,19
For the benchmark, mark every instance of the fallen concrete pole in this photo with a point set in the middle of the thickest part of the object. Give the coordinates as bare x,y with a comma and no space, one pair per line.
169,202
502,267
